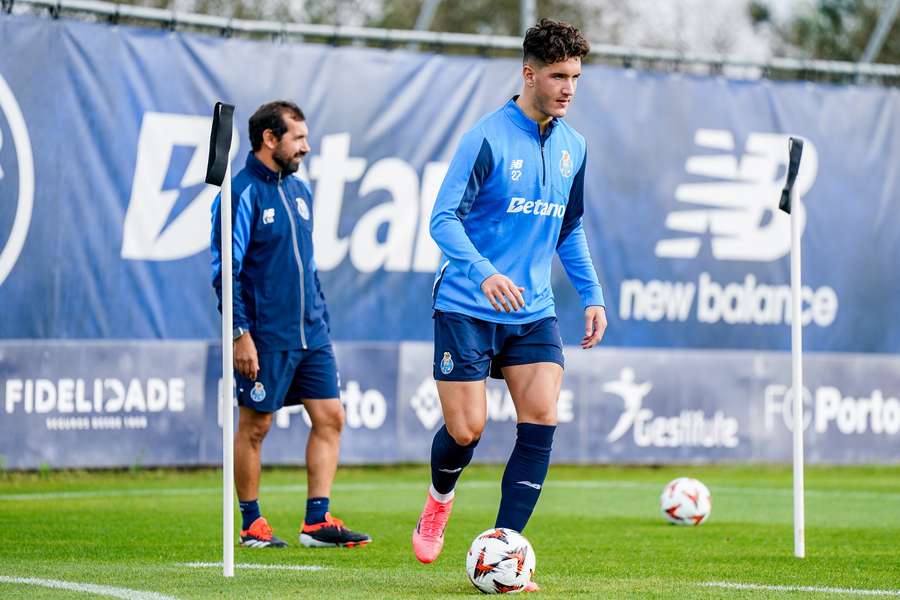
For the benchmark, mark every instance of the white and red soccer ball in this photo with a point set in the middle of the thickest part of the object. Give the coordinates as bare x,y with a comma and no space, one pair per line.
685,501
500,561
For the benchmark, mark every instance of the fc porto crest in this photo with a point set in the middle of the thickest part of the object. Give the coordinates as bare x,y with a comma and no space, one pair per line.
303,209
565,164
446,364
258,393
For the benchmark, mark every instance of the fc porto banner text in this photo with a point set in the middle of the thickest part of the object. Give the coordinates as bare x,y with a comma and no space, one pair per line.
105,219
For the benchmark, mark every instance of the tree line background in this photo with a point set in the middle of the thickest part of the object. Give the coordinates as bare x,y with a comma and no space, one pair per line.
758,29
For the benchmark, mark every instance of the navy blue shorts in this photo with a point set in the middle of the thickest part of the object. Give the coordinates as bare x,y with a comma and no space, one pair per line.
469,349
285,378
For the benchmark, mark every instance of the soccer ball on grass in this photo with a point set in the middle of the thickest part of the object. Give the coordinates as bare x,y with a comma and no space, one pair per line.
500,561
685,501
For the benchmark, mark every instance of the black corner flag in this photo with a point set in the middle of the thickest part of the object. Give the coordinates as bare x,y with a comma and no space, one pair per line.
795,151
219,143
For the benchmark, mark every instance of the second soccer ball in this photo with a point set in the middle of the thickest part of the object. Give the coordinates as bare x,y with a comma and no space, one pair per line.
685,501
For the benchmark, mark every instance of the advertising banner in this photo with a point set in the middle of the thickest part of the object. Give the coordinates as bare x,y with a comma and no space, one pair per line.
105,220
101,404
127,404
108,314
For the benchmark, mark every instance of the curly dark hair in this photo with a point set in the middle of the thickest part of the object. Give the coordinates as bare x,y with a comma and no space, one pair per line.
271,116
554,41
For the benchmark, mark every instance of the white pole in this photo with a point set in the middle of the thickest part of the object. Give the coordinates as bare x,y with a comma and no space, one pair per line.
797,375
527,14
227,381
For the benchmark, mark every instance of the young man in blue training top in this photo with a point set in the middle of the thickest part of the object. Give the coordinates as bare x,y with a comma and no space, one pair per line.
282,351
513,195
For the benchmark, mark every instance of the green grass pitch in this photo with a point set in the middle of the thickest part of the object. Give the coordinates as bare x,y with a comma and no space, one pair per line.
597,533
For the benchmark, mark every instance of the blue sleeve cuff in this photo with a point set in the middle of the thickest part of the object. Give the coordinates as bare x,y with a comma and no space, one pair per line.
480,271
594,297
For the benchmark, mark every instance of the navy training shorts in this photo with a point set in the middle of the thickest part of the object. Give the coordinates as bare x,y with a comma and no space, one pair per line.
470,349
287,377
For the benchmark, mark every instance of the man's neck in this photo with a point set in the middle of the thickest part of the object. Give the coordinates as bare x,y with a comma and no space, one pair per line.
525,102
266,159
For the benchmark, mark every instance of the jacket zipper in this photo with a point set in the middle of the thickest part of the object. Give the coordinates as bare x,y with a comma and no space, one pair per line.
543,166
542,140
287,207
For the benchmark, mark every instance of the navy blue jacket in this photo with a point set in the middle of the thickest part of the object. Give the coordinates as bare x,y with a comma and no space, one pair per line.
277,294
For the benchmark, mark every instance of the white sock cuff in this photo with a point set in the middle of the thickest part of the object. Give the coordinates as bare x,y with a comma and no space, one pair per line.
442,498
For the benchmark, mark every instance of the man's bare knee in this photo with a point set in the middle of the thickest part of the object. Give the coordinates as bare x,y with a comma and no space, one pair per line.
255,428
328,419
465,434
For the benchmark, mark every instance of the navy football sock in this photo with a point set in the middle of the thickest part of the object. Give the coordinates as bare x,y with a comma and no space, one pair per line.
448,459
249,512
315,510
525,474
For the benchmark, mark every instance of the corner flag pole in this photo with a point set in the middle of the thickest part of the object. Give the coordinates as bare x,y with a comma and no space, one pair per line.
790,197
218,172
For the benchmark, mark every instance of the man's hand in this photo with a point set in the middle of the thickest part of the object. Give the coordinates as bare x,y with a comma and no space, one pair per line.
246,361
594,326
501,291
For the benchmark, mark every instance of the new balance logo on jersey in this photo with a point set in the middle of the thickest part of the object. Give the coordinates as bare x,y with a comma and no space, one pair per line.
515,169
735,204
538,208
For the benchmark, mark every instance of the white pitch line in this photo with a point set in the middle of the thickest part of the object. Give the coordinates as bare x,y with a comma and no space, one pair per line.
87,588
799,588
218,565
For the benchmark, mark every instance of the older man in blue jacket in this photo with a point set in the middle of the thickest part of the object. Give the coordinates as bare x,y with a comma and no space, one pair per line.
282,351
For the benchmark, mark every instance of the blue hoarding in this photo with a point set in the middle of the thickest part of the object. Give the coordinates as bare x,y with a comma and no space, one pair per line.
123,404
108,312
104,217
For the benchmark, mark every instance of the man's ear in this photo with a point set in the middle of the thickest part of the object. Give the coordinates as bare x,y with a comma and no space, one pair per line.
269,139
528,74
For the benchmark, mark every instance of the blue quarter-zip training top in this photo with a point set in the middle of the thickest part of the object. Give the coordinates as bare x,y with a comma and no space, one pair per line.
277,294
511,198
